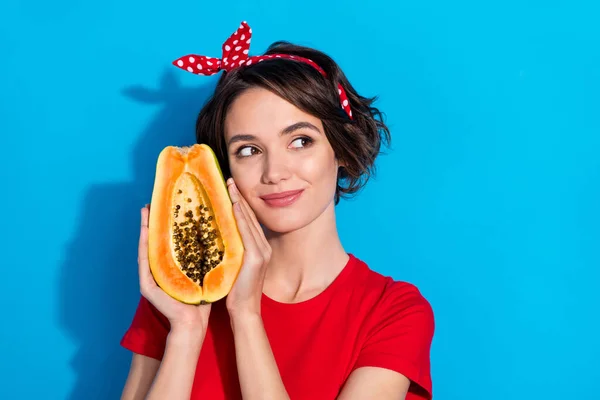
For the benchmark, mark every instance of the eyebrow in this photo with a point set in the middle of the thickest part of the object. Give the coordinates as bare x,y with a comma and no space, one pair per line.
286,131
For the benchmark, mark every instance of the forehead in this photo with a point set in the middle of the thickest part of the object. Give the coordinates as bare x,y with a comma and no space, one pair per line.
259,112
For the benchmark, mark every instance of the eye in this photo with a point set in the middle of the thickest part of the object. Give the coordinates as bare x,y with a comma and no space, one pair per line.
301,142
246,151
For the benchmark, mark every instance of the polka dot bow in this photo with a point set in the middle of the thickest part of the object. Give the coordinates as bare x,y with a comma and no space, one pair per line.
235,55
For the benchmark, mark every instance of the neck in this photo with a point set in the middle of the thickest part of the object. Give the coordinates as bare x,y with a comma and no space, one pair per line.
306,260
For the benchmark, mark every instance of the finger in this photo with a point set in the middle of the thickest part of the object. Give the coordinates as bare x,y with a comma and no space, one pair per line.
248,210
250,245
237,197
257,230
250,217
234,194
145,276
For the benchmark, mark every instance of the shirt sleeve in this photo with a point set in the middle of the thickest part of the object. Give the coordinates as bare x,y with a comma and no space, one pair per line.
147,334
399,337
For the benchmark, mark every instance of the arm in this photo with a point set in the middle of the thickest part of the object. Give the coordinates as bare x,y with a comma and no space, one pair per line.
394,360
141,374
173,377
178,367
257,370
375,383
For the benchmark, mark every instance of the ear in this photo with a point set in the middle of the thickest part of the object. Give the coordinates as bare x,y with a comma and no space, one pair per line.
340,163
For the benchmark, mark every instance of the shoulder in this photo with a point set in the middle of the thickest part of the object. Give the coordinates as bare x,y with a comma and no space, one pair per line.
404,297
398,300
398,330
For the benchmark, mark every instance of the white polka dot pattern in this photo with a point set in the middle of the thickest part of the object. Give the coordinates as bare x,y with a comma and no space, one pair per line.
236,47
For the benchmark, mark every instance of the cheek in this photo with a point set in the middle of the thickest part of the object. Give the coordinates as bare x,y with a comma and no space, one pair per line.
245,176
239,169
320,168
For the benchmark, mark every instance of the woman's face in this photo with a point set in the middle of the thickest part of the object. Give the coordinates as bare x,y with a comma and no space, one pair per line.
274,148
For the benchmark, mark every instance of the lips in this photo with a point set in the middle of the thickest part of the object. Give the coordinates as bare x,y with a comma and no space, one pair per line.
282,199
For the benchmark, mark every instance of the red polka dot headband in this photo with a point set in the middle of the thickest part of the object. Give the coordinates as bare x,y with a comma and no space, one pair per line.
235,55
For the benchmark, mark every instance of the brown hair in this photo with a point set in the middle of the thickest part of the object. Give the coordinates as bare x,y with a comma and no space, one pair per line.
356,143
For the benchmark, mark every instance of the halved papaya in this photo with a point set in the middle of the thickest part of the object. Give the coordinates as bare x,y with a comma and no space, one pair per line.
195,249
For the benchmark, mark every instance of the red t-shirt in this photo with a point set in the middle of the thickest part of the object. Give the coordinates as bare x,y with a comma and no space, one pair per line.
362,319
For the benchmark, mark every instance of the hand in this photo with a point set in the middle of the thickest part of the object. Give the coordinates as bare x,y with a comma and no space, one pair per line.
180,315
246,294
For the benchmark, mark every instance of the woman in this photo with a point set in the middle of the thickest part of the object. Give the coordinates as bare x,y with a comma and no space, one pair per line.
304,319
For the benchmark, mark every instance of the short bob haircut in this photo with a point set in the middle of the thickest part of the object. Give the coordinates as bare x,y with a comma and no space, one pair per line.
356,142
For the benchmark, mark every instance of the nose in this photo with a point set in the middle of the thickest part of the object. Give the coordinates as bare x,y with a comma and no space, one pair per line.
275,168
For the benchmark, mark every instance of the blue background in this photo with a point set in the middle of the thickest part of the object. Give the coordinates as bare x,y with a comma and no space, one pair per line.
489,200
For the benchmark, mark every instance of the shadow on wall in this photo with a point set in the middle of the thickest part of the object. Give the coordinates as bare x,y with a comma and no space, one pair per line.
99,283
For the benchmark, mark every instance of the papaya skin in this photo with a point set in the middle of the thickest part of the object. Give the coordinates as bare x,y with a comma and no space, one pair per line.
188,179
